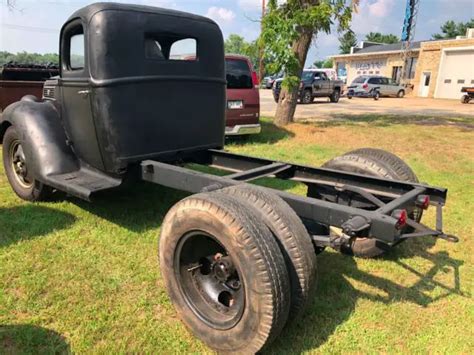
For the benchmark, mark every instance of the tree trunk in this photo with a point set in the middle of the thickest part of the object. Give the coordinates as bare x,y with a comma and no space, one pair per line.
289,98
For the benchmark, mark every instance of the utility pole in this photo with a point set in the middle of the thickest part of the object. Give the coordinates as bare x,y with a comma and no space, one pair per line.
260,67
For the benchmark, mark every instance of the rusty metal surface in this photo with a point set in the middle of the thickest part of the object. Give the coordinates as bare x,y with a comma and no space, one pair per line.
12,91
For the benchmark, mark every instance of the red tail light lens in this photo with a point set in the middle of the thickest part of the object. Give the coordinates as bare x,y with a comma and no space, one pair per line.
402,217
423,201
365,86
255,78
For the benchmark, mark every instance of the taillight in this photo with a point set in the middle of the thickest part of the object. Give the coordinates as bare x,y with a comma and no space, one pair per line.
301,85
254,79
402,217
365,86
422,201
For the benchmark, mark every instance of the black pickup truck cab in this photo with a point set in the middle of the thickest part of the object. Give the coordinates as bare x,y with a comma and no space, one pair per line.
314,83
237,260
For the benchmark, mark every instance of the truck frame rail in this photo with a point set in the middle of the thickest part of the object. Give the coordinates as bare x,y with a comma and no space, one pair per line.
377,208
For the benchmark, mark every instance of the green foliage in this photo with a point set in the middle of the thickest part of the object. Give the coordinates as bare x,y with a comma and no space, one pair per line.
28,58
236,44
381,38
284,24
451,29
321,64
346,42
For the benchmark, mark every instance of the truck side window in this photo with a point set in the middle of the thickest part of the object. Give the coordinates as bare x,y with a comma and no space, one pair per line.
76,54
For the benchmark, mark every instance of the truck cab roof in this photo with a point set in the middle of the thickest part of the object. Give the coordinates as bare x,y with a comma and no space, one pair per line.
87,13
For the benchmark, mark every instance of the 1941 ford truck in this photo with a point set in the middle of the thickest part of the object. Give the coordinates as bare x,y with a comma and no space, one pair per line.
237,260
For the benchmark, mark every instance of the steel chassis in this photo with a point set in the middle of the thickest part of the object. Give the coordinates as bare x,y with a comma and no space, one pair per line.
376,199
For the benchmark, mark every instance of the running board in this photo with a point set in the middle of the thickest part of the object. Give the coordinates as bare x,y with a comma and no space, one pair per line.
82,183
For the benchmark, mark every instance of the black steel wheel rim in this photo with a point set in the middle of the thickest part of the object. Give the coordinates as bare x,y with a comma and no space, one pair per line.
209,280
18,164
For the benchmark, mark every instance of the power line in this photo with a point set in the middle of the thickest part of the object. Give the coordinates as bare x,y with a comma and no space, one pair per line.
30,28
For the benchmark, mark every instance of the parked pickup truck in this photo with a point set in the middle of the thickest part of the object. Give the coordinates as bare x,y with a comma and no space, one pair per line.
314,83
18,80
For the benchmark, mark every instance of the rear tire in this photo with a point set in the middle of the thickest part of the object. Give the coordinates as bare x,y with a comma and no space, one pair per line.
16,170
292,237
465,99
336,94
401,94
224,272
376,95
378,163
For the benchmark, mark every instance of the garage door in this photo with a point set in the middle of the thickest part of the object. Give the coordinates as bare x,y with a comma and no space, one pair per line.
457,70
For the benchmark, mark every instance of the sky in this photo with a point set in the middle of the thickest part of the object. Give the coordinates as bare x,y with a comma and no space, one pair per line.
33,25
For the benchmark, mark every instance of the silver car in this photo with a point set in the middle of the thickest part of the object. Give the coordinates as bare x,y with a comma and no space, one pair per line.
367,86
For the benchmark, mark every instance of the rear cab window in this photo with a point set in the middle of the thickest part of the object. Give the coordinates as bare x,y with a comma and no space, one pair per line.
163,48
238,74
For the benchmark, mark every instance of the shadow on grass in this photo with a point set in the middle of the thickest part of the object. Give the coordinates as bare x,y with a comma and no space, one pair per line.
381,120
30,339
30,221
271,133
138,207
336,298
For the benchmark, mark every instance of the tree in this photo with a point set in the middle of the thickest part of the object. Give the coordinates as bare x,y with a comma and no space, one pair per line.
381,38
321,64
236,44
287,32
28,58
451,29
346,42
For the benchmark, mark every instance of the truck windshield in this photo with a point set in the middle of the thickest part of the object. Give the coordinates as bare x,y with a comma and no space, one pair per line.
359,80
238,74
307,75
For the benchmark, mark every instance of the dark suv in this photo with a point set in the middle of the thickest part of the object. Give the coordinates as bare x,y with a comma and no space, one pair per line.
314,83
243,97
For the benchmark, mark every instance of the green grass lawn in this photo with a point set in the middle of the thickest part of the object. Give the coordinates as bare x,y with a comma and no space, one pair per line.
84,277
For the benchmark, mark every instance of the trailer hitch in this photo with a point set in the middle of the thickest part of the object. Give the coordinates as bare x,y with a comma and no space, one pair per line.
424,231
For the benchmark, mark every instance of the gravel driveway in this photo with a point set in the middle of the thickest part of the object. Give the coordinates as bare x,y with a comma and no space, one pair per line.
322,109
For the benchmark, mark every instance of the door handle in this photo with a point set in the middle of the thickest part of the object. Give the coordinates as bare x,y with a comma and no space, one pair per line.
84,93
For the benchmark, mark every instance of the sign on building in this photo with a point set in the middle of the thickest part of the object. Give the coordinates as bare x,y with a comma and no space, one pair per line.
370,67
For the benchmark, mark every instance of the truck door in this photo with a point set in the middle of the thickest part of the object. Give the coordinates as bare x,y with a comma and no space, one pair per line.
326,84
77,94
318,84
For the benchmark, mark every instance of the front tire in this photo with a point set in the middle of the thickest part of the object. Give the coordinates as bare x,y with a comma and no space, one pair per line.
18,172
224,272
307,97
465,99
401,94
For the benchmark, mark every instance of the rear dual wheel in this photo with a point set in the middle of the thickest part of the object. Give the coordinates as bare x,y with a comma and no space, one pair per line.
224,273
236,265
377,163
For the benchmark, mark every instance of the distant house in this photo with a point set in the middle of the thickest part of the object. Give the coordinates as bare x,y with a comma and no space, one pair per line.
434,68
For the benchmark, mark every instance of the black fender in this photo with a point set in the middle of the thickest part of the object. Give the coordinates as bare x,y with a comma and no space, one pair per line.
42,136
